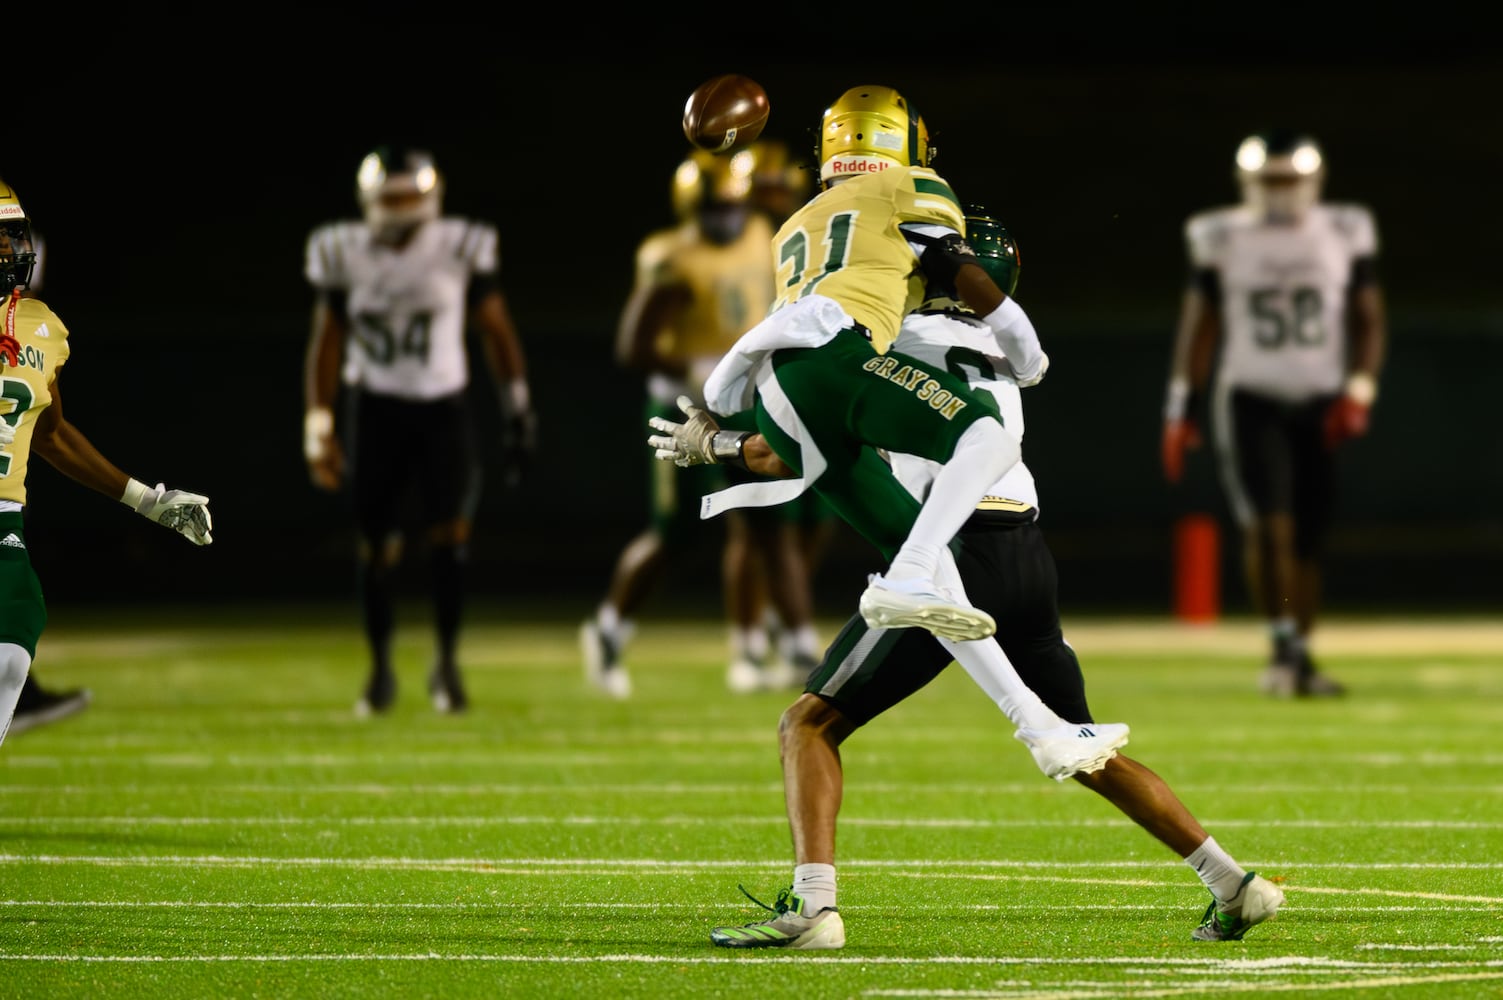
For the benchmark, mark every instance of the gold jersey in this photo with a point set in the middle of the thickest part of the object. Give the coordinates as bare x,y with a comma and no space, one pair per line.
729,286
25,391
846,244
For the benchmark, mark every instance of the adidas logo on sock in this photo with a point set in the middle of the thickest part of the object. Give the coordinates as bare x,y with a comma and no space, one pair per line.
13,540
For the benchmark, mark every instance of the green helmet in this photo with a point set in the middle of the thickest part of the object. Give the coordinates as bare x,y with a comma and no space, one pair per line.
996,250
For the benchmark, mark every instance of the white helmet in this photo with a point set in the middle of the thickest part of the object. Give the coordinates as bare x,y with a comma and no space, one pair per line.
399,189
1281,173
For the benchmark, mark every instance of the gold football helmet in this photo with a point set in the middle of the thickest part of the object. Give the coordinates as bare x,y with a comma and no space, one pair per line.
704,178
17,253
1281,173
870,129
399,189
714,191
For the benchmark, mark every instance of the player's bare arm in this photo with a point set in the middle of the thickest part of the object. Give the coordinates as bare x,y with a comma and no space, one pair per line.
1189,373
66,449
648,313
502,347
1348,416
1369,344
491,315
326,343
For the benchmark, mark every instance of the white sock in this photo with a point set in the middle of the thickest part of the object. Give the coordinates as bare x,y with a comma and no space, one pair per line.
1217,870
815,884
984,452
805,643
748,644
608,619
989,667
15,662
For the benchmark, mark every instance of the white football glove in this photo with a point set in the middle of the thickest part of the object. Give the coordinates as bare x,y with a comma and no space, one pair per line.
183,512
7,432
686,444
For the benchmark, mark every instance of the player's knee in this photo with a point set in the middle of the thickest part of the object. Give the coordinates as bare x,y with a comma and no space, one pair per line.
812,718
14,663
988,442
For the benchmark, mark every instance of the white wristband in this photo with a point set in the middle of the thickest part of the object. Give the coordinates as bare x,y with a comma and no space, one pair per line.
1362,388
519,397
135,493
1178,398
318,424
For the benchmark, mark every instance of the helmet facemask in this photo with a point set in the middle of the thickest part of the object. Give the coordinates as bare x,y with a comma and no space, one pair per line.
17,255
1281,175
715,191
398,192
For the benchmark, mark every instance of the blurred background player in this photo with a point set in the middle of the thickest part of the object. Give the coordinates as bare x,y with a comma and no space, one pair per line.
1284,320
395,294
698,286
33,348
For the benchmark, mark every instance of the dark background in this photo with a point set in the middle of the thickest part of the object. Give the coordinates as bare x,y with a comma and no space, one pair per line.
175,181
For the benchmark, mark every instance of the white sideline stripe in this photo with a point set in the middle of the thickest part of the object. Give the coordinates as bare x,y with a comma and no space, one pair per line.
1239,966
1140,988
930,822
681,788
572,864
553,905
693,748
1335,891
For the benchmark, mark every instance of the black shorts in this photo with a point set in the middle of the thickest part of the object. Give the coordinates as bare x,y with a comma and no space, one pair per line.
1008,572
1274,461
408,451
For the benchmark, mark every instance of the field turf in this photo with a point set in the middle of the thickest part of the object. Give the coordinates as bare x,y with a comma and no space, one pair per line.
219,824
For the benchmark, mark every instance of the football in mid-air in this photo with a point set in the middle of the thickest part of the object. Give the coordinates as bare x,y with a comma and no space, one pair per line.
725,113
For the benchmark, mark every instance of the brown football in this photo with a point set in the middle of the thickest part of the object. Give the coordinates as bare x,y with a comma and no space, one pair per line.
725,113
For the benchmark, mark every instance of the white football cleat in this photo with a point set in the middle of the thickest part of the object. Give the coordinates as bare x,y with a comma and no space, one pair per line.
602,662
920,602
1075,748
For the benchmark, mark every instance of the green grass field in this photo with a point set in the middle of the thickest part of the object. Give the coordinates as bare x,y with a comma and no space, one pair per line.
219,824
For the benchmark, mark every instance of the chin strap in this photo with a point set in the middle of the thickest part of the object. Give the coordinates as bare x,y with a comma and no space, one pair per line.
10,347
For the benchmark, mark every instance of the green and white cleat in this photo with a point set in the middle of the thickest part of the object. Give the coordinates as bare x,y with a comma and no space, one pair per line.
788,928
1256,901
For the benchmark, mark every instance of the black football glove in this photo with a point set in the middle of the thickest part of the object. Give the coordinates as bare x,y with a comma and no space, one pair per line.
519,441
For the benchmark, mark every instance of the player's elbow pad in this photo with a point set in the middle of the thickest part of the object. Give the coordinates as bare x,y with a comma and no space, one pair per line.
1019,341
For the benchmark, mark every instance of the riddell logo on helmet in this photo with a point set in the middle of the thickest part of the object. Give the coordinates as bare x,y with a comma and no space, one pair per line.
11,212
843,165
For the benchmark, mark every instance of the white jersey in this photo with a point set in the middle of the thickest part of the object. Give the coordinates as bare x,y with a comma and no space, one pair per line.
1284,294
965,348
407,305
